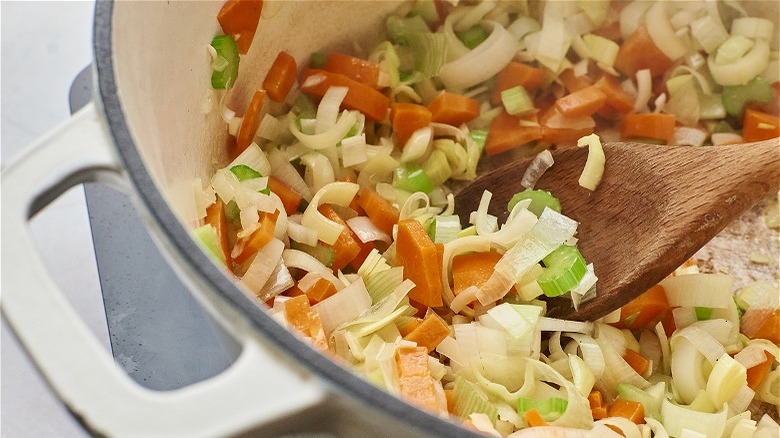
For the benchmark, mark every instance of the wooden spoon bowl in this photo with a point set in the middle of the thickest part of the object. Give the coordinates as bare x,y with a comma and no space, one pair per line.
655,207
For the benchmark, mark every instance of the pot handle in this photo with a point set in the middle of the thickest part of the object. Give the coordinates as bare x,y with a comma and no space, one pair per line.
75,364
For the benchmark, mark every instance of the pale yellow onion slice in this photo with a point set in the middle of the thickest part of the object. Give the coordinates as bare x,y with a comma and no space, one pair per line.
594,165
339,193
745,69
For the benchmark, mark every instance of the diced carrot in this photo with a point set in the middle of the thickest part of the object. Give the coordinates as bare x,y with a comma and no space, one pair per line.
472,269
516,74
599,413
258,239
316,288
756,374
440,255
644,309
305,320
365,72
360,97
574,83
632,410
239,19
557,135
638,362
639,52
651,125
533,419
595,399
410,326
407,118
616,97
430,332
250,123
762,324
345,247
417,254
378,209
280,77
453,109
757,126
294,291
450,394
416,383
365,250
215,216
580,103
668,323
506,133
290,199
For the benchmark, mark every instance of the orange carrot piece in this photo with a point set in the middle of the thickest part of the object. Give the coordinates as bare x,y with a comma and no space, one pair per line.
617,99
290,199
258,239
246,133
516,74
756,374
560,135
407,118
450,394
453,109
418,255
378,209
757,126
415,377
533,419
359,96
430,332
239,19
644,309
595,399
472,269
365,72
365,250
762,324
215,216
280,77
316,289
639,52
599,413
574,83
506,133
651,125
410,326
305,320
632,410
638,362
346,247
581,103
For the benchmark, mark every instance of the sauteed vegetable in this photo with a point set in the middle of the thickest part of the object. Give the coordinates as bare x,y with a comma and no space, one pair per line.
336,210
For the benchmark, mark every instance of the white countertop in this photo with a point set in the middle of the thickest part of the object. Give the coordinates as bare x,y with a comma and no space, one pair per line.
44,46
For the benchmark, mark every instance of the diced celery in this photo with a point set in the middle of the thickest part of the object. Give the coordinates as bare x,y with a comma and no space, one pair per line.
539,200
412,178
208,238
305,107
517,101
565,267
473,36
466,401
736,96
479,136
437,167
400,29
711,107
549,409
427,10
703,313
227,49
244,172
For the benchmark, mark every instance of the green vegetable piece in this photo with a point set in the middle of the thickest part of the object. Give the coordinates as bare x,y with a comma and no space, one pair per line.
437,167
722,126
305,108
703,313
480,137
400,29
565,267
737,96
232,211
244,172
468,401
227,49
412,178
549,409
517,102
539,200
207,237
324,254
318,60
473,36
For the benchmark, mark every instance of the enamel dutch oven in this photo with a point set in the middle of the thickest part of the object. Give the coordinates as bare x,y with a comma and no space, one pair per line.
147,134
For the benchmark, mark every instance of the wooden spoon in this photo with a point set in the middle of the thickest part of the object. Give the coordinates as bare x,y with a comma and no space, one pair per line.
655,207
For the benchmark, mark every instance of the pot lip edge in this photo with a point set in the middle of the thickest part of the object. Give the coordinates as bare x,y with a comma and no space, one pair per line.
344,380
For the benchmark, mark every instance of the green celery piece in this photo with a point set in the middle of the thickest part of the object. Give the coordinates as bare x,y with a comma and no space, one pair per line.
412,178
517,102
703,313
430,53
324,254
468,401
473,36
232,211
437,167
318,59
400,29
651,403
539,200
427,10
549,408
479,136
735,97
226,48
244,172
565,267
207,236
305,108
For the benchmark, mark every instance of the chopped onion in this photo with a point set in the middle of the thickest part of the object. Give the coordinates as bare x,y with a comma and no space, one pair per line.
339,193
346,305
417,145
301,234
377,169
353,150
253,157
686,136
300,260
280,281
698,290
709,33
318,170
745,69
286,172
594,165
327,138
662,33
644,82
725,138
263,265
677,418
328,109
753,27
542,161
366,230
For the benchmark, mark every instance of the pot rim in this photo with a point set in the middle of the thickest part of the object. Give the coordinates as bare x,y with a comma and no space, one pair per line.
188,251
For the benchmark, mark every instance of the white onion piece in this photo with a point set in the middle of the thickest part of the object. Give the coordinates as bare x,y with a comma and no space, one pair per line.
328,138
474,15
417,145
698,290
594,164
542,161
366,230
644,82
319,169
328,109
286,173
280,281
558,120
346,305
300,260
546,324
709,33
482,63
377,169
725,138
662,33
628,428
753,27
676,418
253,157
632,16
754,353
263,265
301,234
353,150
339,193
745,69
686,136
274,129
